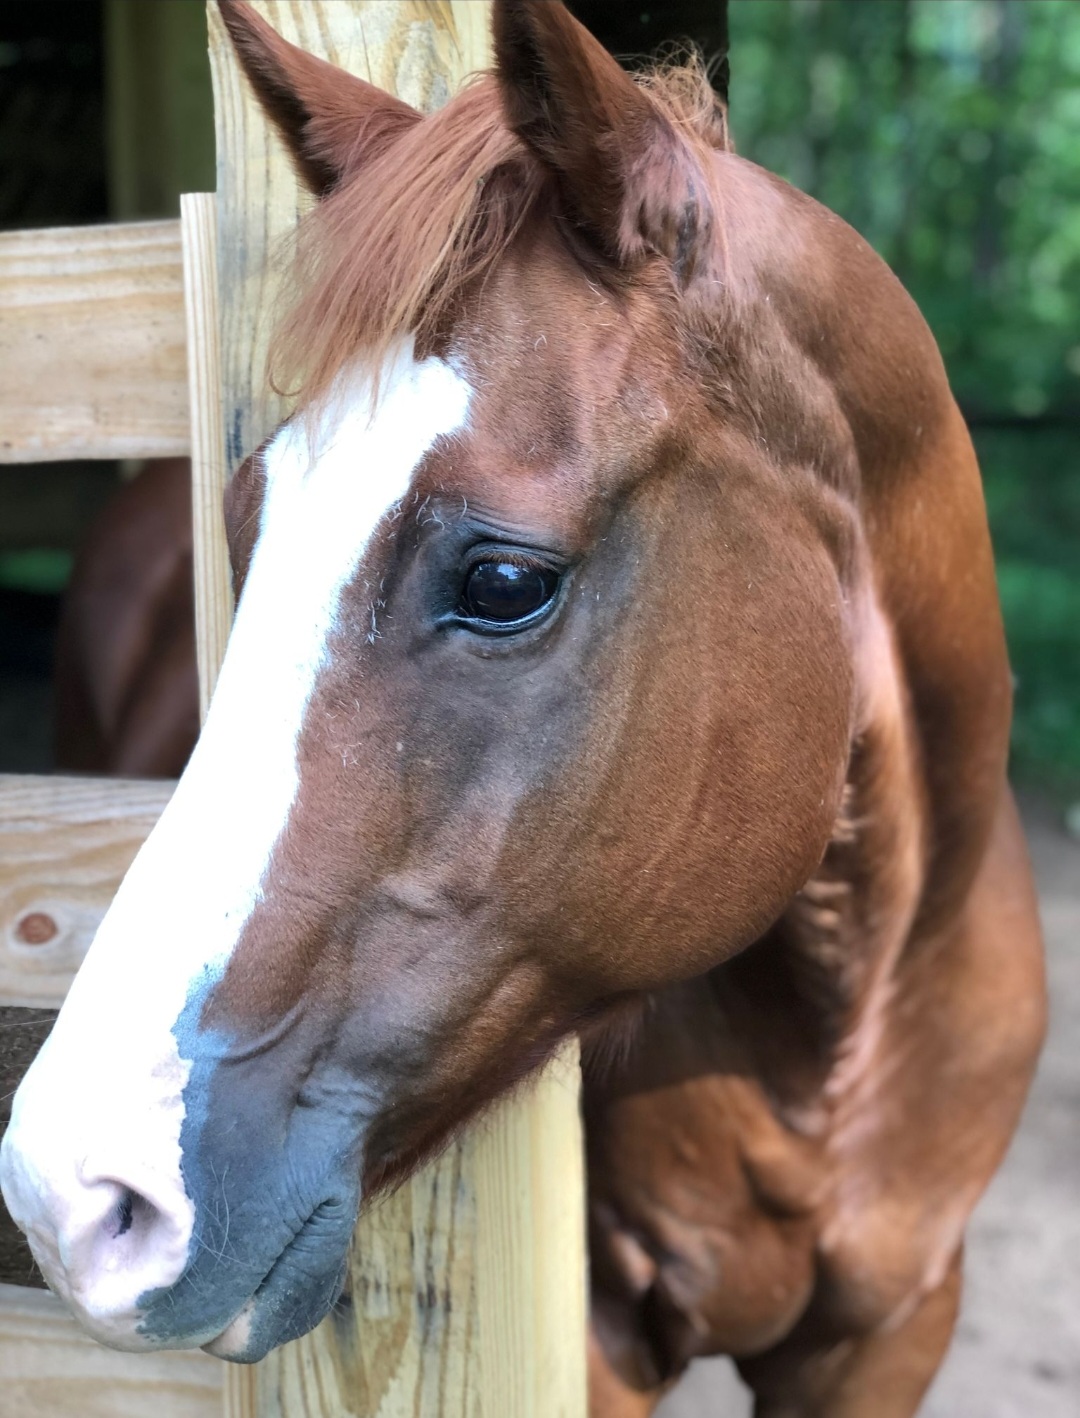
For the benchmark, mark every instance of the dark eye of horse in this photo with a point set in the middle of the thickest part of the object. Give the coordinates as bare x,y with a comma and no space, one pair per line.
503,592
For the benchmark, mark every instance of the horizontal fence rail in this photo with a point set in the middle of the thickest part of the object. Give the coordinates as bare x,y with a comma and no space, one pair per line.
92,343
50,1369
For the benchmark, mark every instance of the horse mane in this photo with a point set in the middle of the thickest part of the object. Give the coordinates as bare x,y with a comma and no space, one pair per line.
391,250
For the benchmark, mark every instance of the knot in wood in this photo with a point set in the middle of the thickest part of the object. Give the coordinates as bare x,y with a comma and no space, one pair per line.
36,928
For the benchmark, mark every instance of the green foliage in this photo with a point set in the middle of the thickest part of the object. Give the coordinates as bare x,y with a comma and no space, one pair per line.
1032,481
44,569
948,133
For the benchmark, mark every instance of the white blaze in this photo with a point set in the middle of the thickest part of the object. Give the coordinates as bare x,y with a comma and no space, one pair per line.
105,1097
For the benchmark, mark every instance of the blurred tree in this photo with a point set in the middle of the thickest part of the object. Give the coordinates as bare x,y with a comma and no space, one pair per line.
947,135
159,105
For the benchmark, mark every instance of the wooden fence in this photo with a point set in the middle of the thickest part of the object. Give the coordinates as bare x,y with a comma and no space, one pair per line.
467,1287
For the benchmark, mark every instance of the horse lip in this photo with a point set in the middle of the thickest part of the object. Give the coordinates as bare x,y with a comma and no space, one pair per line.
235,1338
233,1343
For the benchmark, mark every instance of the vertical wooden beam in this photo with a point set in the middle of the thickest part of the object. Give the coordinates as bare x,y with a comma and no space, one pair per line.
528,1170
467,1286
213,583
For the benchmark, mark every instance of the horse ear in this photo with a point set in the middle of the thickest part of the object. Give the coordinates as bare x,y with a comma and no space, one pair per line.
332,122
630,179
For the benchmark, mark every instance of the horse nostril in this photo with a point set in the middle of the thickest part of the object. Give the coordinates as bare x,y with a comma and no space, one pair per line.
125,1212
108,1219
115,1241
131,1215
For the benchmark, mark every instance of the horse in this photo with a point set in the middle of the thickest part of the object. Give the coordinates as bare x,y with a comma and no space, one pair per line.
125,685
617,652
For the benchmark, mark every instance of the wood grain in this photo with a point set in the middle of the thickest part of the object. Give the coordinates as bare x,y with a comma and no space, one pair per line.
92,361
213,582
65,843
467,1296
532,1305
404,1341
50,1369
467,1286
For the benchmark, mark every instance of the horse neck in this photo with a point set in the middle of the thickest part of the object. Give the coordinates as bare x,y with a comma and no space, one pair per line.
807,1000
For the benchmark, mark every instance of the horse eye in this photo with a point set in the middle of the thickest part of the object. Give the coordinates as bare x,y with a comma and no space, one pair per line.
506,591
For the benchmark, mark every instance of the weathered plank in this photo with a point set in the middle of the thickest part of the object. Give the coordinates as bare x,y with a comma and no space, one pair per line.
92,361
213,583
531,1294
49,1369
65,843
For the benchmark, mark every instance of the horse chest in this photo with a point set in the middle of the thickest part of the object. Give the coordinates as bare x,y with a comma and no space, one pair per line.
704,1208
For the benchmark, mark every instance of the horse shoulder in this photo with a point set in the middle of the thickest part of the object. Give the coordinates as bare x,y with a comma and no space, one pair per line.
925,1126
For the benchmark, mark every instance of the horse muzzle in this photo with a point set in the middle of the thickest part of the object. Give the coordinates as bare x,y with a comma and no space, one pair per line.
231,1233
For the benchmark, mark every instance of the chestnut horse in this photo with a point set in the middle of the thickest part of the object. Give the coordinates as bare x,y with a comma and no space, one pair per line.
617,652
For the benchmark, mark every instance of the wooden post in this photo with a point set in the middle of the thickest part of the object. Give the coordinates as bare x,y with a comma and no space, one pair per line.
213,582
467,1286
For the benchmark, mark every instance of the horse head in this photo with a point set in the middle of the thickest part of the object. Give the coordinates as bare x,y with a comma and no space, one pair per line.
541,691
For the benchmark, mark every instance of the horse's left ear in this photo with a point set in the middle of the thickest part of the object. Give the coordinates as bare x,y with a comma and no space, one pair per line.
332,122
628,176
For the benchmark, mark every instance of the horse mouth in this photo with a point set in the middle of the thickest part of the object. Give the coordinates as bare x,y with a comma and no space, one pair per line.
234,1341
291,1299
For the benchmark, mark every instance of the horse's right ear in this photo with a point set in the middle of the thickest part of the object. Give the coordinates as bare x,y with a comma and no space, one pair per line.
332,122
627,176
